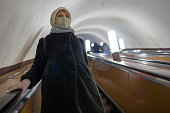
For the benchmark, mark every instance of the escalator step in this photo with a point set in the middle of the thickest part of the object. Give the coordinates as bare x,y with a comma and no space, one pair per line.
102,96
108,108
105,101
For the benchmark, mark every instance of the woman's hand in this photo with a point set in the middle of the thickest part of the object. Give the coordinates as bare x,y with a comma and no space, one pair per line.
24,84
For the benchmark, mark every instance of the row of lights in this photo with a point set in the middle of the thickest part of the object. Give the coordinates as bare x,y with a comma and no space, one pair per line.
114,46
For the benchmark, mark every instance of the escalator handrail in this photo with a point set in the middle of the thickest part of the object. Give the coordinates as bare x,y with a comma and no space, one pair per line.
146,60
16,102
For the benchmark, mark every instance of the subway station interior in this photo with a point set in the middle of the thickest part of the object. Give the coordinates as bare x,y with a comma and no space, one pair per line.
124,44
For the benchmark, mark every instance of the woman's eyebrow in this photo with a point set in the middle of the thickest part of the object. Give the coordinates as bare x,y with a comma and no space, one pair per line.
59,13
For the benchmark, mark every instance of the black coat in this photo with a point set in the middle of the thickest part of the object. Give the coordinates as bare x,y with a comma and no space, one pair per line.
68,85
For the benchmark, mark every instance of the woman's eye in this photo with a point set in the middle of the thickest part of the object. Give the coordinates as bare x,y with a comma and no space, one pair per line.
60,15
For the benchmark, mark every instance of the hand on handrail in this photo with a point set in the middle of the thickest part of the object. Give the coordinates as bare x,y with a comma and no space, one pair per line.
23,85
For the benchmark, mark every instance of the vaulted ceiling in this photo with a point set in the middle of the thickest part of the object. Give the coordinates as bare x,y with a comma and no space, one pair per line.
140,23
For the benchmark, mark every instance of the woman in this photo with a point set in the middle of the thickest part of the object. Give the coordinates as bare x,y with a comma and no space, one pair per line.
68,85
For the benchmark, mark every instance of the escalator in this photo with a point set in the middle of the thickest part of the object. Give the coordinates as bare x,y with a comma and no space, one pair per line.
14,102
122,89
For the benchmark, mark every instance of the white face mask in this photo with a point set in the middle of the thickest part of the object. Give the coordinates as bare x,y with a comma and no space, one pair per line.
63,21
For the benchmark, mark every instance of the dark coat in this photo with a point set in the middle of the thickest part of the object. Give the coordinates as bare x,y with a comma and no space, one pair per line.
68,85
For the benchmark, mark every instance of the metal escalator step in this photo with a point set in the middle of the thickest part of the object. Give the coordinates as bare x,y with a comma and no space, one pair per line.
108,108
105,101
102,96
109,105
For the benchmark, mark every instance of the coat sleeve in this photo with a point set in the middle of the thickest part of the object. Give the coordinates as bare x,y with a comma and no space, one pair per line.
37,69
84,51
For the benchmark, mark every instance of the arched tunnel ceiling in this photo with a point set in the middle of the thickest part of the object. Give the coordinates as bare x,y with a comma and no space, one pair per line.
141,23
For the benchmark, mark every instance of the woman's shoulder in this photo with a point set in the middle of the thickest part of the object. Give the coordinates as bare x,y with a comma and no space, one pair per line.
78,38
51,35
81,40
55,35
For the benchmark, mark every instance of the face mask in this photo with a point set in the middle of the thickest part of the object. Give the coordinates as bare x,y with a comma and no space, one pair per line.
63,21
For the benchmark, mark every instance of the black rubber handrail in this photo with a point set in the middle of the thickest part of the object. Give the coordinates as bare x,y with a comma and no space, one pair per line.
148,53
9,100
15,102
146,60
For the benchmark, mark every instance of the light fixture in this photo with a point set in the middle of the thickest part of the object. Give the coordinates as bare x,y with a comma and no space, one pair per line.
92,45
87,43
113,41
101,43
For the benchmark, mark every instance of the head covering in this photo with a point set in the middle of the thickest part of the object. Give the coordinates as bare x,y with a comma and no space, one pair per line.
53,15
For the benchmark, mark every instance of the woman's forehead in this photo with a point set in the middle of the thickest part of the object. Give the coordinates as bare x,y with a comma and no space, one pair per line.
63,11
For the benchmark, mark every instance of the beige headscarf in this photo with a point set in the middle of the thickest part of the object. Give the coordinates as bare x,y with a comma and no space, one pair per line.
53,15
